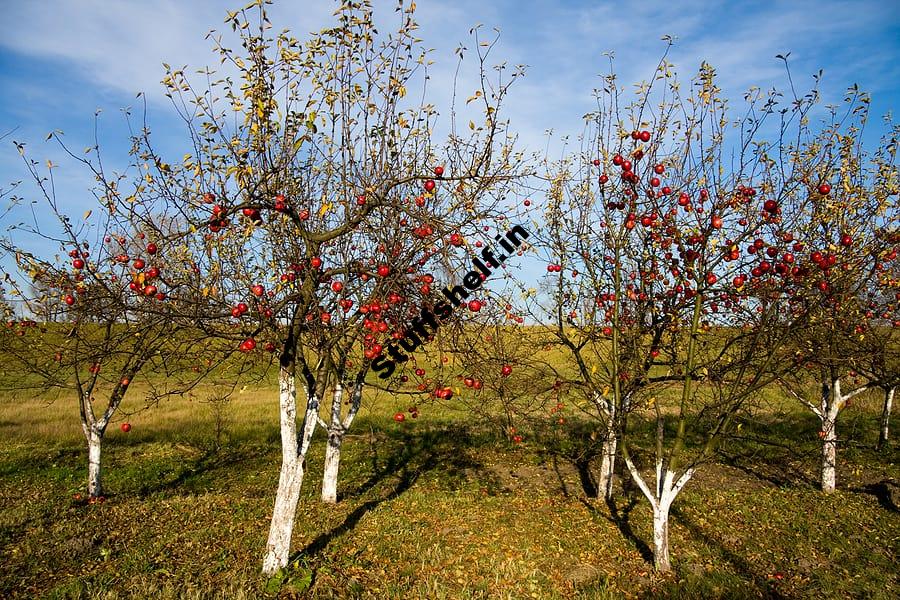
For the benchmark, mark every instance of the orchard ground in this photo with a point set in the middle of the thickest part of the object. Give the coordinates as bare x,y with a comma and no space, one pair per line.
434,507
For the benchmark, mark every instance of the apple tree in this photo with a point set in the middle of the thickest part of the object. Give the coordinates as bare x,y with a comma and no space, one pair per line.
319,200
847,251
122,309
657,286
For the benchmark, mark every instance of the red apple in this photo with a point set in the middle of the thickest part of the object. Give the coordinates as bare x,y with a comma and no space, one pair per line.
399,417
126,427
824,189
475,305
506,370
439,171
429,185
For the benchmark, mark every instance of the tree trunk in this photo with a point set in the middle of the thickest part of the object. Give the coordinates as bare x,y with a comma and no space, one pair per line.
278,547
332,465
333,448
884,434
95,485
293,455
661,538
337,430
829,452
608,463
661,498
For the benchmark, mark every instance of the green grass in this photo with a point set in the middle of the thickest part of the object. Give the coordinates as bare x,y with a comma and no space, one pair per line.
436,507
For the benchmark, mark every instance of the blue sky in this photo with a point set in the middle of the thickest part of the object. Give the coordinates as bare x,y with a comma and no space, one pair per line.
60,61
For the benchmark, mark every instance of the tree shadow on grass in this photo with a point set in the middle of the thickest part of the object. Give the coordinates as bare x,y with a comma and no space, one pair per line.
886,492
620,517
740,564
191,473
410,456
776,470
573,445
406,478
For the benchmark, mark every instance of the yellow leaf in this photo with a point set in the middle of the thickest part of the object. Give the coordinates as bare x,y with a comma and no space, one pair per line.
87,215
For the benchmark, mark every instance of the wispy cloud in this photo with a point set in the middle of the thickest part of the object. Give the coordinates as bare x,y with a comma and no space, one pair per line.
97,52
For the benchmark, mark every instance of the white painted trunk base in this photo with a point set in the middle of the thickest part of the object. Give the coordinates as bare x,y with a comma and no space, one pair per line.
608,466
290,480
332,466
278,547
661,498
829,454
95,485
661,538
885,432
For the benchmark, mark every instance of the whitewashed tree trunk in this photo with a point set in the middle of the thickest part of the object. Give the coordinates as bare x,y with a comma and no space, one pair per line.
608,462
337,430
884,433
333,449
278,546
661,498
290,481
95,484
832,402
610,445
661,539
829,453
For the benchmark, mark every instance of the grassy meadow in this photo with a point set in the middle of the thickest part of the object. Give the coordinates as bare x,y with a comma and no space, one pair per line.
438,507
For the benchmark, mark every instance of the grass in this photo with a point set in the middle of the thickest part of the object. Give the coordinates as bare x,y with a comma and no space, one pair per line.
437,507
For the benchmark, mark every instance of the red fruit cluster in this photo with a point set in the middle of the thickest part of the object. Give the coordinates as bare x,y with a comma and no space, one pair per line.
443,393
473,383
643,136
